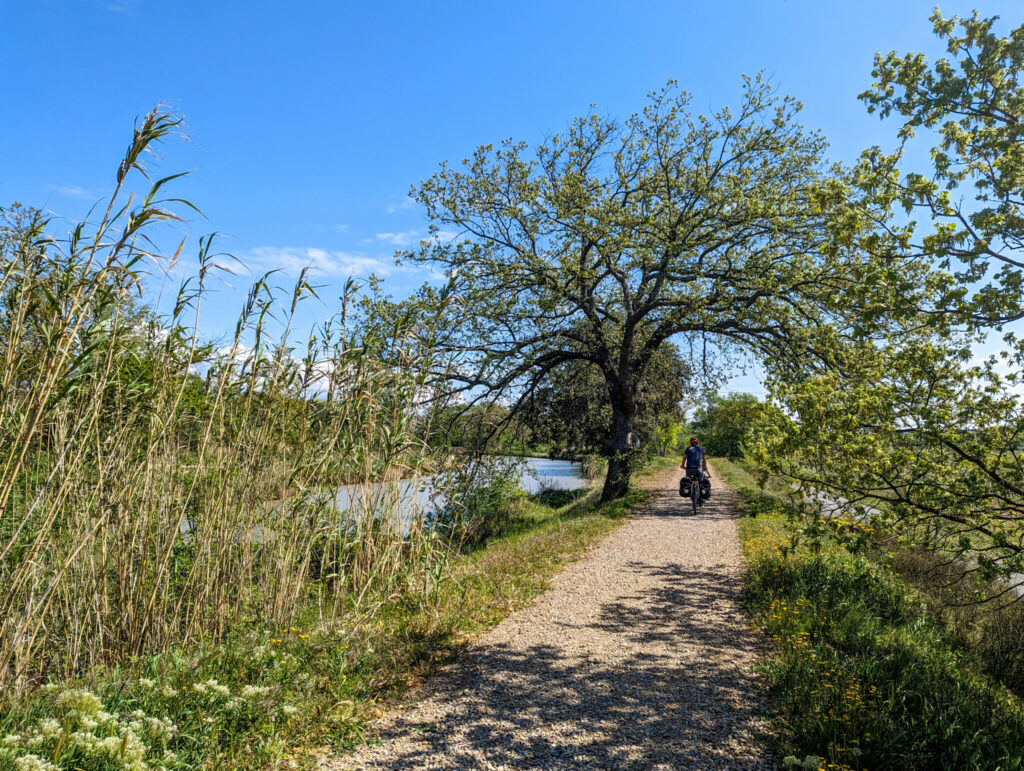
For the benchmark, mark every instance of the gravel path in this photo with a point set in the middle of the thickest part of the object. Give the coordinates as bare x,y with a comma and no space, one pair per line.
637,658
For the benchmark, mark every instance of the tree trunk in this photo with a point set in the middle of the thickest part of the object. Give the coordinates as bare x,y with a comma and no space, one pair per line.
621,452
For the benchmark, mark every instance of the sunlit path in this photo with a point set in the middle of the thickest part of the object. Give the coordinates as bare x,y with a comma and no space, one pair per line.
638,657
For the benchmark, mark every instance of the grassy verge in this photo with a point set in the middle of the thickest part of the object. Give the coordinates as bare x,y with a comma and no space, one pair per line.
864,674
264,698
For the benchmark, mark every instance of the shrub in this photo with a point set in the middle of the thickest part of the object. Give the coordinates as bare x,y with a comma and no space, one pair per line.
863,674
865,678
593,466
481,499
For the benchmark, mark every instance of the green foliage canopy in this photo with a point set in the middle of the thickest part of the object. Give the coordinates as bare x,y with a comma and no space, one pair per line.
917,428
927,442
972,104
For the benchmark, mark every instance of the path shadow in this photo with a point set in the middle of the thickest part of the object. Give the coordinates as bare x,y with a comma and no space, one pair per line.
653,615
533,709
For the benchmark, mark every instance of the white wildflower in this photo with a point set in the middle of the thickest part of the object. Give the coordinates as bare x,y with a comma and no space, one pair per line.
233,704
255,691
289,710
199,687
146,683
160,727
33,763
128,748
11,740
84,740
218,689
49,727
168,692
110,745
81,701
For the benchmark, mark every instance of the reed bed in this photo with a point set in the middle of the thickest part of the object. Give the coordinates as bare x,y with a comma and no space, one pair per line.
158,490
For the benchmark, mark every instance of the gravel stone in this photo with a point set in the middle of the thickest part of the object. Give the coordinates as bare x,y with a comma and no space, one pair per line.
638,657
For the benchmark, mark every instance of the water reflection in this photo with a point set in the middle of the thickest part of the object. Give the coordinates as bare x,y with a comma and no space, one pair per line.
545,474
411,498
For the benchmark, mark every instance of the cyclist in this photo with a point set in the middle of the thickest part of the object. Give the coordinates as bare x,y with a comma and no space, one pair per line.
695,462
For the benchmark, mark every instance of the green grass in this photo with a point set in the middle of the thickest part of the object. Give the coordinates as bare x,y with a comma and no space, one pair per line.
863,674
263,697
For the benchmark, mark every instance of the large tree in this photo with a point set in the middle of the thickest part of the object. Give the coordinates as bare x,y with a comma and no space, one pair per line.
929,444
605,241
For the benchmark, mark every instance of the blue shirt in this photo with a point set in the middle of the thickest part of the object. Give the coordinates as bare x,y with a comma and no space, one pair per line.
694,456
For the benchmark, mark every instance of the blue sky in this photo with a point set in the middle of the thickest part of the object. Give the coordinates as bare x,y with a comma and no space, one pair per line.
308,122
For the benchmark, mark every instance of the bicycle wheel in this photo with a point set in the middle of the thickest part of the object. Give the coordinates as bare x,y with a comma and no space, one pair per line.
695,495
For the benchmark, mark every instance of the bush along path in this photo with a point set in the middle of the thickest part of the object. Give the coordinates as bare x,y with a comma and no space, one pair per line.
868,671
638,657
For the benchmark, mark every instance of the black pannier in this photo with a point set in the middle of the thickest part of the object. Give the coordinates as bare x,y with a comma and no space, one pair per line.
684,486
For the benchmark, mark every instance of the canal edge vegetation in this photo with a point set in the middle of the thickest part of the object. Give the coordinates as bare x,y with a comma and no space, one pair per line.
273,696
869,666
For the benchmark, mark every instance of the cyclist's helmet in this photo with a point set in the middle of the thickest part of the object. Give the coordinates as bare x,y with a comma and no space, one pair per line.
693,440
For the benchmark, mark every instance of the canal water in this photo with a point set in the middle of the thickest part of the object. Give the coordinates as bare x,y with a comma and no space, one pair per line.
410,498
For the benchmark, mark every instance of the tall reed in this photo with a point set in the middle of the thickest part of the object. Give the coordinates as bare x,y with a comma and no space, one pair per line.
155,489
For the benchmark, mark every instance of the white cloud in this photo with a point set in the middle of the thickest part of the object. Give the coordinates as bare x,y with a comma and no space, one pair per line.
446,236
125,7
324,262
404,204
74,191
407,238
